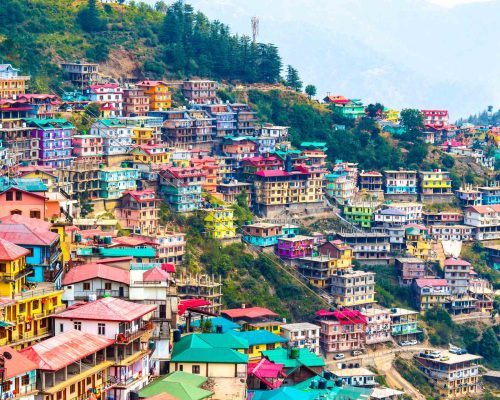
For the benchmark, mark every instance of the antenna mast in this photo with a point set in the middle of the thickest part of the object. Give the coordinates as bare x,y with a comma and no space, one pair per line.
255,28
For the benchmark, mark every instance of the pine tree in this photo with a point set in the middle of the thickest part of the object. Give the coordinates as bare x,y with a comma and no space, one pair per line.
293,79
89,18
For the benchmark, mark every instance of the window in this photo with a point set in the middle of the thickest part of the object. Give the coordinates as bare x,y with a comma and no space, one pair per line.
72,388
59,395
89,380
9,196
6,386
86,285
19,196
181,367
22,307
3,267
107,286
77,325
25,380
195,369
35,304
101,329
61,328
35,214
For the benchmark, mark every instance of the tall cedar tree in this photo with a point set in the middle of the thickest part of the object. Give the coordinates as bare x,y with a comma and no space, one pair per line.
293,79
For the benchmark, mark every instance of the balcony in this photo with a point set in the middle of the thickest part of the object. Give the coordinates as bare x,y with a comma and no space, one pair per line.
127,337
14,277
38,289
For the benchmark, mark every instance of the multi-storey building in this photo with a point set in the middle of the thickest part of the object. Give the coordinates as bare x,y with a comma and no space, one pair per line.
297,189
209,166
418,242
401,184
339,252
361,214
219,223
371,182
491,194
204,287
469,197
160,98
81,74
21,196
254,319
462,233
368,247
88,146
352,108
404,324
378,325
452,375
117,137
302,335
171,247
280,133
225,119
43,106
135,102
79,369
19,376
200,91
436,119
431,293
83,177
139,211
238,148
409,269
246,119
485,221
181,187
11,83
114,181
230,189
262,234
317,270
147,156
442,218
457,272
16,137
353,289
109,96
54,137
341,330
481,290
435,186
295,246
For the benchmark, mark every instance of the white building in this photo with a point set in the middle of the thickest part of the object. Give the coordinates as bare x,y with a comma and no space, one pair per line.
109,95
302,335
117,137
378,328
275,131
123,321
451,232
485,221
355,377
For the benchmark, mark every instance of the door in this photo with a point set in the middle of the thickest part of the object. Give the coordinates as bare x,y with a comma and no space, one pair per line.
163,311
121,292
17,385
35,328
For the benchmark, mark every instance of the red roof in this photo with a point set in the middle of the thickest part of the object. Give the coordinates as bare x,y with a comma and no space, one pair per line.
155,275
191,303
23,234
85,272
345,317
137,194
132,241
150,83
108,309
22,219
64,349
9,251
456,261
431,282
249,312
168,267
105,86
17,364
265,370
484,209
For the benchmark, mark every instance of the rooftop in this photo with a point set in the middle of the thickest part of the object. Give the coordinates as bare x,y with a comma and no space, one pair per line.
9,251
249,312
260,336
299,326
27,235
85,272
455,358
180,385
283,356
17,365
349,372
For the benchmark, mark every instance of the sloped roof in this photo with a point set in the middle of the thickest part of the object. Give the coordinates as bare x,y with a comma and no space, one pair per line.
17,364
204,347
155,275
283,393
24,234
249,312
456,261
283,356
431,282
259,337
180,385
85,272
64,349
108,309
23,219
10,251
226,324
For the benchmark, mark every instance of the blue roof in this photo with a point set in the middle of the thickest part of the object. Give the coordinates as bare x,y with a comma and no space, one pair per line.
259,337
26,184
226,324
283,393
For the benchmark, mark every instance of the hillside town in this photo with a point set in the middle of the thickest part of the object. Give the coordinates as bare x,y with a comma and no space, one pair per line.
97,301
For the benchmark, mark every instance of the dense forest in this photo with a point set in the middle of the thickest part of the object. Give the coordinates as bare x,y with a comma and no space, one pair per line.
486,117
164,41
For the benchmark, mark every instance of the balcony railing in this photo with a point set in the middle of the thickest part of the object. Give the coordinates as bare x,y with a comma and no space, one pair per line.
127,337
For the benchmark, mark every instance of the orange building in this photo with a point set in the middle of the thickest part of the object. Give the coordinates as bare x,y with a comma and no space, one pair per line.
160,98
209,166
11,83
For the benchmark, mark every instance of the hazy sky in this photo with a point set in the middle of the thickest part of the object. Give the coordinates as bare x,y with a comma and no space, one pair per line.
403,53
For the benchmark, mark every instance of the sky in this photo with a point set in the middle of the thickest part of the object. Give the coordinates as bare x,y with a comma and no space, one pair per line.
429,54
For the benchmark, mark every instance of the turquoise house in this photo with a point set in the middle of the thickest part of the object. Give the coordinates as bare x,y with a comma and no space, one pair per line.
115,180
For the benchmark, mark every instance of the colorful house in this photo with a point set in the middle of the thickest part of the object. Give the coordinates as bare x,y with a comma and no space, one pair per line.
19,376
135,102
225,119
219,223
11,83
259,341
485,221
294,247
139,211
181,187
27,307
160,98
148,154
341,330
352,108
209,166
431,293
418,243
116,180
435,186
110,98
22,196
299,364
491,194
254,318
176,385
261,234
404,324
117,137
54,136
88,146
361,214
400,183
302,335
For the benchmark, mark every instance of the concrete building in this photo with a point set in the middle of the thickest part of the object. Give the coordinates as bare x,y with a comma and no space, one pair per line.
303,335
353,289
341,330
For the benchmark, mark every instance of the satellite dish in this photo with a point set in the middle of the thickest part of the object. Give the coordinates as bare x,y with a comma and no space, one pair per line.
7,355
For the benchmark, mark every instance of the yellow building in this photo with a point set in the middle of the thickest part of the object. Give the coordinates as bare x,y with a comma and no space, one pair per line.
152,154
11,83
144,135
435,183
219,224
431,293
418,244
160,98
391,115
259,341
48,179
26,307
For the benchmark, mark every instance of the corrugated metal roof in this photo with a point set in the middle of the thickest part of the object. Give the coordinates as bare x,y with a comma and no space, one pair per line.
24,234
85,272
250,312
59,351
17,364
9,251
108,309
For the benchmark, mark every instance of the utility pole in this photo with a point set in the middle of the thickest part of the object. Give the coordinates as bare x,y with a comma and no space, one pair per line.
255,28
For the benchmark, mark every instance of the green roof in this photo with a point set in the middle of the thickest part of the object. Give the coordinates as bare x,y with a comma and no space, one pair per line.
181,385
259,337
226,324
26,184
209,348
127,252
50,123
283,393
282,356
111,122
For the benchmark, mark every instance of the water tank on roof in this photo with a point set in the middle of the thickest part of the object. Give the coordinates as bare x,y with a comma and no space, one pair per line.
322,384
177,335
294,352
327,375
218,329
107,239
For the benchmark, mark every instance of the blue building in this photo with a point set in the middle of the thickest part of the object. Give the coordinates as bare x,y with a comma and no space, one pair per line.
491,194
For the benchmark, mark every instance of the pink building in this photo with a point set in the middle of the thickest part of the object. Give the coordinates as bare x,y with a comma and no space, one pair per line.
15,199
378,327
341,330
87,146
295,247
435,118
139,211
409,269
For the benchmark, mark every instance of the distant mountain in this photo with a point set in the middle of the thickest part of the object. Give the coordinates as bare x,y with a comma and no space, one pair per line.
404,53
